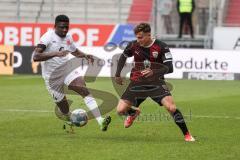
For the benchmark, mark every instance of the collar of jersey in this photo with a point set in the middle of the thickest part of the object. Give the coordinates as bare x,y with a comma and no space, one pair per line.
153,40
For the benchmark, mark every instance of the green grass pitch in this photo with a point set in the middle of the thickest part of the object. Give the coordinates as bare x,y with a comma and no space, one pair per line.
29,129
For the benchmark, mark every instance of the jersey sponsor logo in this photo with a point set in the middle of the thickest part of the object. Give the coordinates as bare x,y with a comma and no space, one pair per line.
155,54
137,52
147,63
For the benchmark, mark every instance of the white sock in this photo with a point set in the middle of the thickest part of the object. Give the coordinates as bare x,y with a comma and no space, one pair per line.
93,107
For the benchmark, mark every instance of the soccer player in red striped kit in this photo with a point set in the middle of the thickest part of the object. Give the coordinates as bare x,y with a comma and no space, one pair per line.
152,59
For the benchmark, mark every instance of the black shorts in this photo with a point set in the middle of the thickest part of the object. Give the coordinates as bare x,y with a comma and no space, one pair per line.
137,92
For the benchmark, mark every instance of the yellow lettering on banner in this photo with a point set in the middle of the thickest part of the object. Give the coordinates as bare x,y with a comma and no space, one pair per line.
6,60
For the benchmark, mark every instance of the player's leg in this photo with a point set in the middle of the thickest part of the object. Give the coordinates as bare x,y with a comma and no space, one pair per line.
128,105
123,107
133,113
164,98
169,104
62,109
62,106
135,107
78,85
181,22
189,21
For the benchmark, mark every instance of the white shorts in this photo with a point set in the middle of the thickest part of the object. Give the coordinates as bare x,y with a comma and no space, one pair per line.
56,88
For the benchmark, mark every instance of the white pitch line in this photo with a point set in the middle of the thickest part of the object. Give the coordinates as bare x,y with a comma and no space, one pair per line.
49,111
214,117
25,110
22,77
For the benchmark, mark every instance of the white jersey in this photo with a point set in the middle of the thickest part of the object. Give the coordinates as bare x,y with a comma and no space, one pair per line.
55,43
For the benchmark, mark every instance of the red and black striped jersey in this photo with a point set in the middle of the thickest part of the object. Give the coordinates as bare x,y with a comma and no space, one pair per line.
153,56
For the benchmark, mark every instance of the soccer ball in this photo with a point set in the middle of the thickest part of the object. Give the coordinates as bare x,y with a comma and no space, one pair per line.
79,117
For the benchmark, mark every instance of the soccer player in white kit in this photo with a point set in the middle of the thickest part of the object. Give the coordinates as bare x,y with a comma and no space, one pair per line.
52,51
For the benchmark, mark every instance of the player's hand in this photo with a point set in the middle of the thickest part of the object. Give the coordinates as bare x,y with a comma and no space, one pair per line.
89,58
147,72
62,53
119,80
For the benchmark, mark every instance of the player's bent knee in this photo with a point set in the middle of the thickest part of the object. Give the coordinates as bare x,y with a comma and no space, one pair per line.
82,90
169,104
120,111
122,107
171,108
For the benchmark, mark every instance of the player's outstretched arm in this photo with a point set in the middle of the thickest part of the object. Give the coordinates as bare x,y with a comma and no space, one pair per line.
40,55
120,65
80,54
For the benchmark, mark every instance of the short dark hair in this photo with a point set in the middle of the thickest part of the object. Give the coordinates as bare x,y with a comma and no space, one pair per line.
142,27
61,18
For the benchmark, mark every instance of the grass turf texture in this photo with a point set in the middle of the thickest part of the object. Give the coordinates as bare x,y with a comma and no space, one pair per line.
29,129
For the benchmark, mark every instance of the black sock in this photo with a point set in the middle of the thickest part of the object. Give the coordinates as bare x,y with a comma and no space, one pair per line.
179,120
131,111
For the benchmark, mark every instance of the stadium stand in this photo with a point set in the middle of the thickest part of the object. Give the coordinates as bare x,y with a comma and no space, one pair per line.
19,11
79,11
141,11
225,12
200,23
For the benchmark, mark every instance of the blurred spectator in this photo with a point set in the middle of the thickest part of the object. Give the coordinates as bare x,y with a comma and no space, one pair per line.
165,9
203,15
185,9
